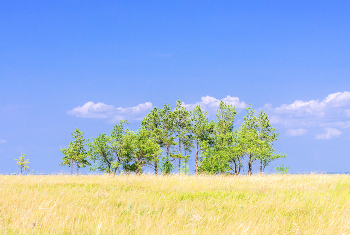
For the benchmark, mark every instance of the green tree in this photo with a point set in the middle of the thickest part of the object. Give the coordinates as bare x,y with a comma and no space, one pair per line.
152,123
201,129
182,121
237,151
68,158
225,118
146,149
249,137
267,136
219,150
101,153
23,162
119,146
75,153
187,142
167,127
128,152
214,160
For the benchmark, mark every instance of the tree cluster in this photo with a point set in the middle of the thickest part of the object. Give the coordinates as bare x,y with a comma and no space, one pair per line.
166,139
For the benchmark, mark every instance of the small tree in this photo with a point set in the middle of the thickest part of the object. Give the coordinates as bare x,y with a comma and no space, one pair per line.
167,127
68,158
267,136
282,169
201,129
152,123
75,153
119,143
182,126
101,153
249,141
146,149
23,162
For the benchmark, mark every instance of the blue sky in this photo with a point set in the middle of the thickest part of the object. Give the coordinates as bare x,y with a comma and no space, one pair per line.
86,64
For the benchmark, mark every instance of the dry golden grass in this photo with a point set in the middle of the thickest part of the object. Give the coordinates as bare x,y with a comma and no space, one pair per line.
267,204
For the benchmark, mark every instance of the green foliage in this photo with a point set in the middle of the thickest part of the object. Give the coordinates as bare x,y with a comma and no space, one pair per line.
226,149
23,162
101,153
75,153
166,167
225,118
219,148
152,123
121,146
167,127
282,169
201,130
146,149
183,127
213,162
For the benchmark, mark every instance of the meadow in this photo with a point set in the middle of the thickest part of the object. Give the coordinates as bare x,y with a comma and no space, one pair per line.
176,204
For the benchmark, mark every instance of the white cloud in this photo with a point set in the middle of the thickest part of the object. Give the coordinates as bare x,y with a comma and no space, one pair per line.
92,110
209,103
315,107
330,133
113,114
301,107
3,141
101,110
296,132
335,108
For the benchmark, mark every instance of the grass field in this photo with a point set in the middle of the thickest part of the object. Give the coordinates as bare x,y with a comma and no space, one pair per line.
258,204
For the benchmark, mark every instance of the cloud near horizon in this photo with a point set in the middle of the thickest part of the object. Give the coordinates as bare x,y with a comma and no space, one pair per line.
113,114
332,111
317,108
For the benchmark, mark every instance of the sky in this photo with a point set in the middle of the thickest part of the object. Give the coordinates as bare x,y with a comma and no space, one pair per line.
88,64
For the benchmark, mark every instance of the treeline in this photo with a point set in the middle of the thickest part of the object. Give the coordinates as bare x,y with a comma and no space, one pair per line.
167,138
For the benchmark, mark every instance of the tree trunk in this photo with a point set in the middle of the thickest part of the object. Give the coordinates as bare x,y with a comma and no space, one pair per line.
197,158
140,167
250,165
115,170
239,166
156,167
71,167
235,167
77,168
179,155
21,170
261,167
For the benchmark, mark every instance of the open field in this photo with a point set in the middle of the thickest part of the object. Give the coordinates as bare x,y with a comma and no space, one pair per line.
267,204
